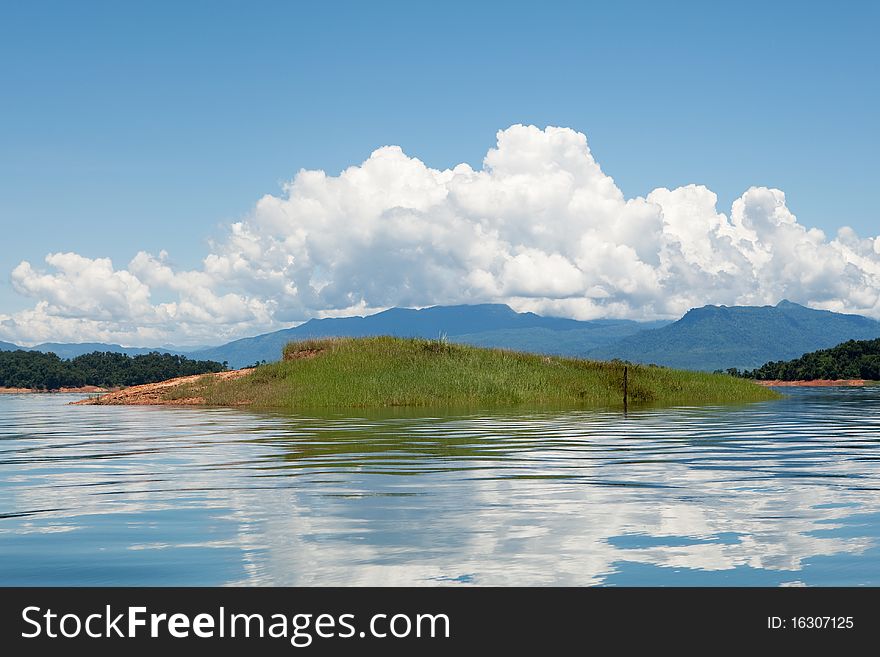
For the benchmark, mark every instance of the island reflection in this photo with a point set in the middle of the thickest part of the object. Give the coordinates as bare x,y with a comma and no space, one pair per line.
774,493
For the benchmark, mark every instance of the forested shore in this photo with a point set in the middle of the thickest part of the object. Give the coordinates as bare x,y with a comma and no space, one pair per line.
855,359
36,370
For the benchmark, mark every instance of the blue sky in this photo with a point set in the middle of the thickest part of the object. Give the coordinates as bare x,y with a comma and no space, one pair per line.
150,126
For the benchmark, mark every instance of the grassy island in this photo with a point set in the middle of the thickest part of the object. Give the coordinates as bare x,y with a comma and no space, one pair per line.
384,371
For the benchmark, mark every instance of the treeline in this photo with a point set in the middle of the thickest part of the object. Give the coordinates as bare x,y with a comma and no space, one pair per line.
856,359
46,371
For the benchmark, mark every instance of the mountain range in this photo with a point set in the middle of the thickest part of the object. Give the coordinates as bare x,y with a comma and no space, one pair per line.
744,337
707,338
495,325
74,349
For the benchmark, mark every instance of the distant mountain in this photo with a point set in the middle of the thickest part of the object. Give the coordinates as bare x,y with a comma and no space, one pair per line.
568,342
744,337
707,338
72,350
485,325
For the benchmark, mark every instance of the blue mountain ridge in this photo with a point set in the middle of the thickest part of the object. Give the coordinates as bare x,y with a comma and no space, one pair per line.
745,337
74,349
706,338
495,325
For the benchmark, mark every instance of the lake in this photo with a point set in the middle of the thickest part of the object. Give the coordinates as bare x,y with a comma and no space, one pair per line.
775,493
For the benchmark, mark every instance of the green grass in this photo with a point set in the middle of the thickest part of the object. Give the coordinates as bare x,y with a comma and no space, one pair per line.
387,372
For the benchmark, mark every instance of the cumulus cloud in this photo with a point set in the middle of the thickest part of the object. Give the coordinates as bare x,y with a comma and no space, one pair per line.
540,226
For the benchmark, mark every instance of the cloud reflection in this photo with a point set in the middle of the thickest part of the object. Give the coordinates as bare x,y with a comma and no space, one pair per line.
539,498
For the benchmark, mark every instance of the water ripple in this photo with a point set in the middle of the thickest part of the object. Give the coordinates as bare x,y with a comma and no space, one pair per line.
767,493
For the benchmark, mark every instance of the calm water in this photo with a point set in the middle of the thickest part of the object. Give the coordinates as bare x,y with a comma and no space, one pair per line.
783,492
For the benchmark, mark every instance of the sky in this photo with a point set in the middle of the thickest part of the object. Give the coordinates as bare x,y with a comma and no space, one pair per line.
159,161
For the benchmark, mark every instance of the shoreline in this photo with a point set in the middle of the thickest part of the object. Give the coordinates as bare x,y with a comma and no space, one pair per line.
152,394
815,383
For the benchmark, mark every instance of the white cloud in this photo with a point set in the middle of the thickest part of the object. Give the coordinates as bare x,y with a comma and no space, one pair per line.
540,227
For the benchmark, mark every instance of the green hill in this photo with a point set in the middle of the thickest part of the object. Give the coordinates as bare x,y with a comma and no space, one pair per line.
387,371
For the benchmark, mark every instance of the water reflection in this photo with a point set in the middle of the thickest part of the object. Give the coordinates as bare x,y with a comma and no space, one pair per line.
775,493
